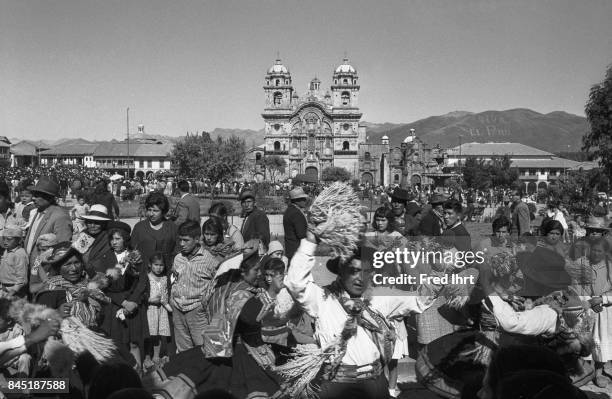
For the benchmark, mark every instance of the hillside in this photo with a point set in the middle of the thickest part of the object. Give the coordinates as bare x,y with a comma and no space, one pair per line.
552,132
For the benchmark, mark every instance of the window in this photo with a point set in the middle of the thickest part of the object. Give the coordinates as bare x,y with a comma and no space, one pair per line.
345,81
149,163
278,82
141,163
396,177
276,127
346,126
162,164
345,98
335,81
277,146
278,97
367,156
345,146
258,156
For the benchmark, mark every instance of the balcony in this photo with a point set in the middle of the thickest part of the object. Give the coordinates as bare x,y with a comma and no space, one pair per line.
123,165
278,152
345,152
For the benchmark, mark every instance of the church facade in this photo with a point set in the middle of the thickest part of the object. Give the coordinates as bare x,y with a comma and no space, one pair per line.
316,129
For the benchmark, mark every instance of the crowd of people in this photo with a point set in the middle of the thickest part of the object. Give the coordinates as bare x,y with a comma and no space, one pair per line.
204,308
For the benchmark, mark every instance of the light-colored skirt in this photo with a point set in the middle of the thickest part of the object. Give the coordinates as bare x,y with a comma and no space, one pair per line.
401,342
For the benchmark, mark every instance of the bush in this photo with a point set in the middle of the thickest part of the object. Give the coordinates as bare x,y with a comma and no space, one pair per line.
129,194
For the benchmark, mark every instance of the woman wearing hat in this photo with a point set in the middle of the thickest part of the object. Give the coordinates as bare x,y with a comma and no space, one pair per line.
98,257
69,290
48,218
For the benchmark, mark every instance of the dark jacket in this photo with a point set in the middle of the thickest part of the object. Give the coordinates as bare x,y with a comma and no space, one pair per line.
295,226
431,225
459,237
187,208
256,225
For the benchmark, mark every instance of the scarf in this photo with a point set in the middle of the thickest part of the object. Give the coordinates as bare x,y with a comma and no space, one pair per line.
86,302
361,314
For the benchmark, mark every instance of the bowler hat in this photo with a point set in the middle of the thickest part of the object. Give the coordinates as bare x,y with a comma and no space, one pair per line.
544,271
363,253
597,223
437,199
246,194
115,224
46,186
297,193
401,195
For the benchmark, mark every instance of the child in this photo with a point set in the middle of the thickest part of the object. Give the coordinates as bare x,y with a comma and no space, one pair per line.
39,273
276,250
19,366
80,209
157,312
14,262
26,205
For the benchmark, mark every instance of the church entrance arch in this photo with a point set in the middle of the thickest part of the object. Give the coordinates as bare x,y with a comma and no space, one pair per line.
367,178
312,172
531,187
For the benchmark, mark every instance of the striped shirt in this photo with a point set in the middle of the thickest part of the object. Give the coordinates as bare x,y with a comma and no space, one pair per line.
193,274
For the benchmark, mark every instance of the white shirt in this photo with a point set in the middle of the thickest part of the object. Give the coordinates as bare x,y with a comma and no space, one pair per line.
541,319
329,314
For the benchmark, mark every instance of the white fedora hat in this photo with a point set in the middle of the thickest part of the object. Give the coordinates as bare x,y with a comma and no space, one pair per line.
97,212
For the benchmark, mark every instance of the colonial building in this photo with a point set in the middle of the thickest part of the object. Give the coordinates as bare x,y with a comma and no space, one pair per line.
412,164
143,156
317,129
5,151
26,153
537,168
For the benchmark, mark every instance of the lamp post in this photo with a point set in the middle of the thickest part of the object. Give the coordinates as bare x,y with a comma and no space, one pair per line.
127,123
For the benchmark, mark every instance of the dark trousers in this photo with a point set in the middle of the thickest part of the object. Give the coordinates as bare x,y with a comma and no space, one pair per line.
376,388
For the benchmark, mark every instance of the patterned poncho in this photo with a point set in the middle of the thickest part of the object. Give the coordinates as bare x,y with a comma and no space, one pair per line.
86,300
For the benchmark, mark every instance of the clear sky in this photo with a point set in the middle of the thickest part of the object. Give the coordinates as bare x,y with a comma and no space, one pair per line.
71,68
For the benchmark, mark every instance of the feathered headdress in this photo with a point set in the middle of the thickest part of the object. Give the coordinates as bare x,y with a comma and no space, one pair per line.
335,213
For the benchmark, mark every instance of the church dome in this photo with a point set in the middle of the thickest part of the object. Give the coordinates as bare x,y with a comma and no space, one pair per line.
345,67
385,137
409,139
278,67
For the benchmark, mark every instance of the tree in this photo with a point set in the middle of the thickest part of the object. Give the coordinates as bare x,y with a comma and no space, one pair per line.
502,173
598,141
201,157
335,173
274,165
475,174
578,189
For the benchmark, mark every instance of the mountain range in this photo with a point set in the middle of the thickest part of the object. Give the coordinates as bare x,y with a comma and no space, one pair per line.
554,132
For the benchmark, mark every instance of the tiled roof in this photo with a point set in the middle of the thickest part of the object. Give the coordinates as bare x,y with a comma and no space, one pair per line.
551,162
497,149
24,148
71,149
136,150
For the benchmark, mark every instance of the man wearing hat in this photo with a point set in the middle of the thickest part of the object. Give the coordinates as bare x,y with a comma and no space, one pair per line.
432,224
405,212
255,223
349,310
48,218
294,220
